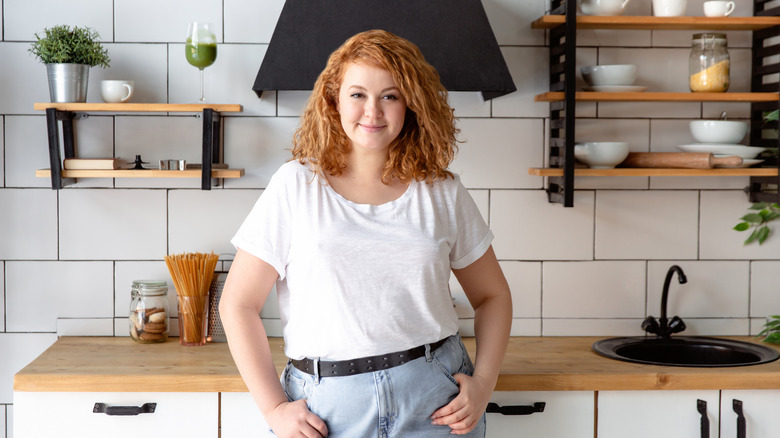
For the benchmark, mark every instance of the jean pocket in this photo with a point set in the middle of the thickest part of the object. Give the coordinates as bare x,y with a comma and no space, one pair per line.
296,386
453,360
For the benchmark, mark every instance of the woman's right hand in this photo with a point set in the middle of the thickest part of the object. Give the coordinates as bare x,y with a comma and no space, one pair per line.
294,419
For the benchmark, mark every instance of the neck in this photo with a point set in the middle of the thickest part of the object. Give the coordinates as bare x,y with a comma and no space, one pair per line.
366,165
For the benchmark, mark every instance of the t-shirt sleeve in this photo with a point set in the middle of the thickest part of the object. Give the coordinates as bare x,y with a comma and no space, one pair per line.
473,236
265,233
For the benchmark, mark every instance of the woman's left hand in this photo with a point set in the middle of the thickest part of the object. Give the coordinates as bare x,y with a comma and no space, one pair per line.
464,412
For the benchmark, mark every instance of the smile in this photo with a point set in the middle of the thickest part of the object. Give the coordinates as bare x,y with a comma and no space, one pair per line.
371,128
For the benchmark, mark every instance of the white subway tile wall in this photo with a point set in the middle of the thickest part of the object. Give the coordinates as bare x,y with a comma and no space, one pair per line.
68,257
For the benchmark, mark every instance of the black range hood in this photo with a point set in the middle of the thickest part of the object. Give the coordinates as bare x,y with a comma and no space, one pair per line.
454,35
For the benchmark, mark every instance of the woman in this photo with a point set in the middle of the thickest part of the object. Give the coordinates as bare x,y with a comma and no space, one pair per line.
359,232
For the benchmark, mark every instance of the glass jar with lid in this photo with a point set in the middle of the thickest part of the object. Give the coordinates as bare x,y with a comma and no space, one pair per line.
149,319
708,65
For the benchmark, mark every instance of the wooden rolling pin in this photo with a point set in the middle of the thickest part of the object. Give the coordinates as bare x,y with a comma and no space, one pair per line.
679,160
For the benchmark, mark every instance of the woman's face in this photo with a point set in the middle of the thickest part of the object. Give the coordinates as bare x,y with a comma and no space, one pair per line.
371,106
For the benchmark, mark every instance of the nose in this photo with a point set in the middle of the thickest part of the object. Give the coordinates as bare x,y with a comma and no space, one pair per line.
372,109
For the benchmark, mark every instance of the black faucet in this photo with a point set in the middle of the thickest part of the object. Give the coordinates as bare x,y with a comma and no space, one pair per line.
663,327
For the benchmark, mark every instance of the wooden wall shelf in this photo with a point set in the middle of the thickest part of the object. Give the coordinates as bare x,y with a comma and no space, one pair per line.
141,173
749,171
64,113
592,96
139,107
659,23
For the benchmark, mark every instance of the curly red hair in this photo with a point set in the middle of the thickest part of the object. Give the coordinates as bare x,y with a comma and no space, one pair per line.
427,142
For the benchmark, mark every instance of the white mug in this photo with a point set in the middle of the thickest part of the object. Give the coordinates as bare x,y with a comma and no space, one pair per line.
603,7
669,8
116,91
718,8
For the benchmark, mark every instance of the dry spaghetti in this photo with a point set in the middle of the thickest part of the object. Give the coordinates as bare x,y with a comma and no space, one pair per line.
192,274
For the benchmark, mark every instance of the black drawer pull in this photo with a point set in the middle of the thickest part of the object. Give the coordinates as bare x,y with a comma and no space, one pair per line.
741,423
102,408
493,408
701,406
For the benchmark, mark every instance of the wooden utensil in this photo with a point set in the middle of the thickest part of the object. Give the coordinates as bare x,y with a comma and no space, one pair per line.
680,160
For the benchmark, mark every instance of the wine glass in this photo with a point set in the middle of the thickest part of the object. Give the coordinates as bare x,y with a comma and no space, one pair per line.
201,48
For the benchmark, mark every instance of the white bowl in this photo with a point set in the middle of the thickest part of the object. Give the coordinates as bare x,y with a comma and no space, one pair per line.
718,131
602,7
601,154
600,75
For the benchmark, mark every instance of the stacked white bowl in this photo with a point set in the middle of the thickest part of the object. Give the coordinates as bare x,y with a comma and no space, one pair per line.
601,154
611,78
721,138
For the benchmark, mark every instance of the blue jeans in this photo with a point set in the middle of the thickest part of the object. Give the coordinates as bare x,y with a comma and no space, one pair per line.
396,402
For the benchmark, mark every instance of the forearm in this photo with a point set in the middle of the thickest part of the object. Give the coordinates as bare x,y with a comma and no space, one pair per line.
251,352
492,324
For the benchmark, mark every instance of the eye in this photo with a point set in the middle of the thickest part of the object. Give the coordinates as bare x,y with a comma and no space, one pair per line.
356,95
391,97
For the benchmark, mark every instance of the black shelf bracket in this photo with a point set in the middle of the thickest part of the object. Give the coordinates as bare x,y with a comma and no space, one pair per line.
763,78
563,59
212,145
53,119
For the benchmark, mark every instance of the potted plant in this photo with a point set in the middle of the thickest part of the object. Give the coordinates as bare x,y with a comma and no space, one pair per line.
771,331
762,214
68,55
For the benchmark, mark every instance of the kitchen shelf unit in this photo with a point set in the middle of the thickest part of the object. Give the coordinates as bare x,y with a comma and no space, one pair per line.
563,96
65,113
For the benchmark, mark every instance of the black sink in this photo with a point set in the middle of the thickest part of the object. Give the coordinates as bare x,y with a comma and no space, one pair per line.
685,351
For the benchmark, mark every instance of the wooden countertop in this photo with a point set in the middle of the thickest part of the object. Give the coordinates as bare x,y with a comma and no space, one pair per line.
98,364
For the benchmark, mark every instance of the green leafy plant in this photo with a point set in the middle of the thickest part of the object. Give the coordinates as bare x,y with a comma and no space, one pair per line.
771,331
758,220
63,45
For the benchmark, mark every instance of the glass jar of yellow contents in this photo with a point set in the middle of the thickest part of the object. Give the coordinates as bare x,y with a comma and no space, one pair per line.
708,65
149,320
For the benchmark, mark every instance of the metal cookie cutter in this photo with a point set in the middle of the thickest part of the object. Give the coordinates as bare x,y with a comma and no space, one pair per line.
173,164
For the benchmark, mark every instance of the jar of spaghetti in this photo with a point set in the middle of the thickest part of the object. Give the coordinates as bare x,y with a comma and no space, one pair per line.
708,65
149,320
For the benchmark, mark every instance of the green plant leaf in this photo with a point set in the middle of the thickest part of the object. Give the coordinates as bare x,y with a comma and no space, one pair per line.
758,206
752,238
773,338
753,218
763,233
771,115
742,226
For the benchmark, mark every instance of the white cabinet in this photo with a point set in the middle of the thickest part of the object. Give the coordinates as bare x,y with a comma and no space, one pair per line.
72,414
567,414
759,409
241,418
650,414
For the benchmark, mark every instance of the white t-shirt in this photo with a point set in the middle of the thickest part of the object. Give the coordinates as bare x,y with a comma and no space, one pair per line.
357,279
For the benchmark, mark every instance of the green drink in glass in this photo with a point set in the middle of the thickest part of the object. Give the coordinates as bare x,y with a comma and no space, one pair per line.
201,48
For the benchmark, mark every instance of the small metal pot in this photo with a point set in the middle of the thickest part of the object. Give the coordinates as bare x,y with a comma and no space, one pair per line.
68,82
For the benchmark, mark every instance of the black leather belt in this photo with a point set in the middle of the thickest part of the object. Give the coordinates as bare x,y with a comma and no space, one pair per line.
364,364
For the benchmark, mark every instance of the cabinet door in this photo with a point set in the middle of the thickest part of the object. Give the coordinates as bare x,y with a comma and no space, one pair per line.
650,414
759,410
71,414
241,418
566,414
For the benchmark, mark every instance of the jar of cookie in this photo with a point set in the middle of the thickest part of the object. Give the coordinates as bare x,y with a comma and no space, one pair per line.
149,320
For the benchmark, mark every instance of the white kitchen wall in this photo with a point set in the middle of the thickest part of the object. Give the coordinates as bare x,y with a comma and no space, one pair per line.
67,257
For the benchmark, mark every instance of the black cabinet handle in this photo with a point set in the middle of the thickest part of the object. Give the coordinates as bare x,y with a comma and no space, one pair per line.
102,408
493,408
741,423
701,406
